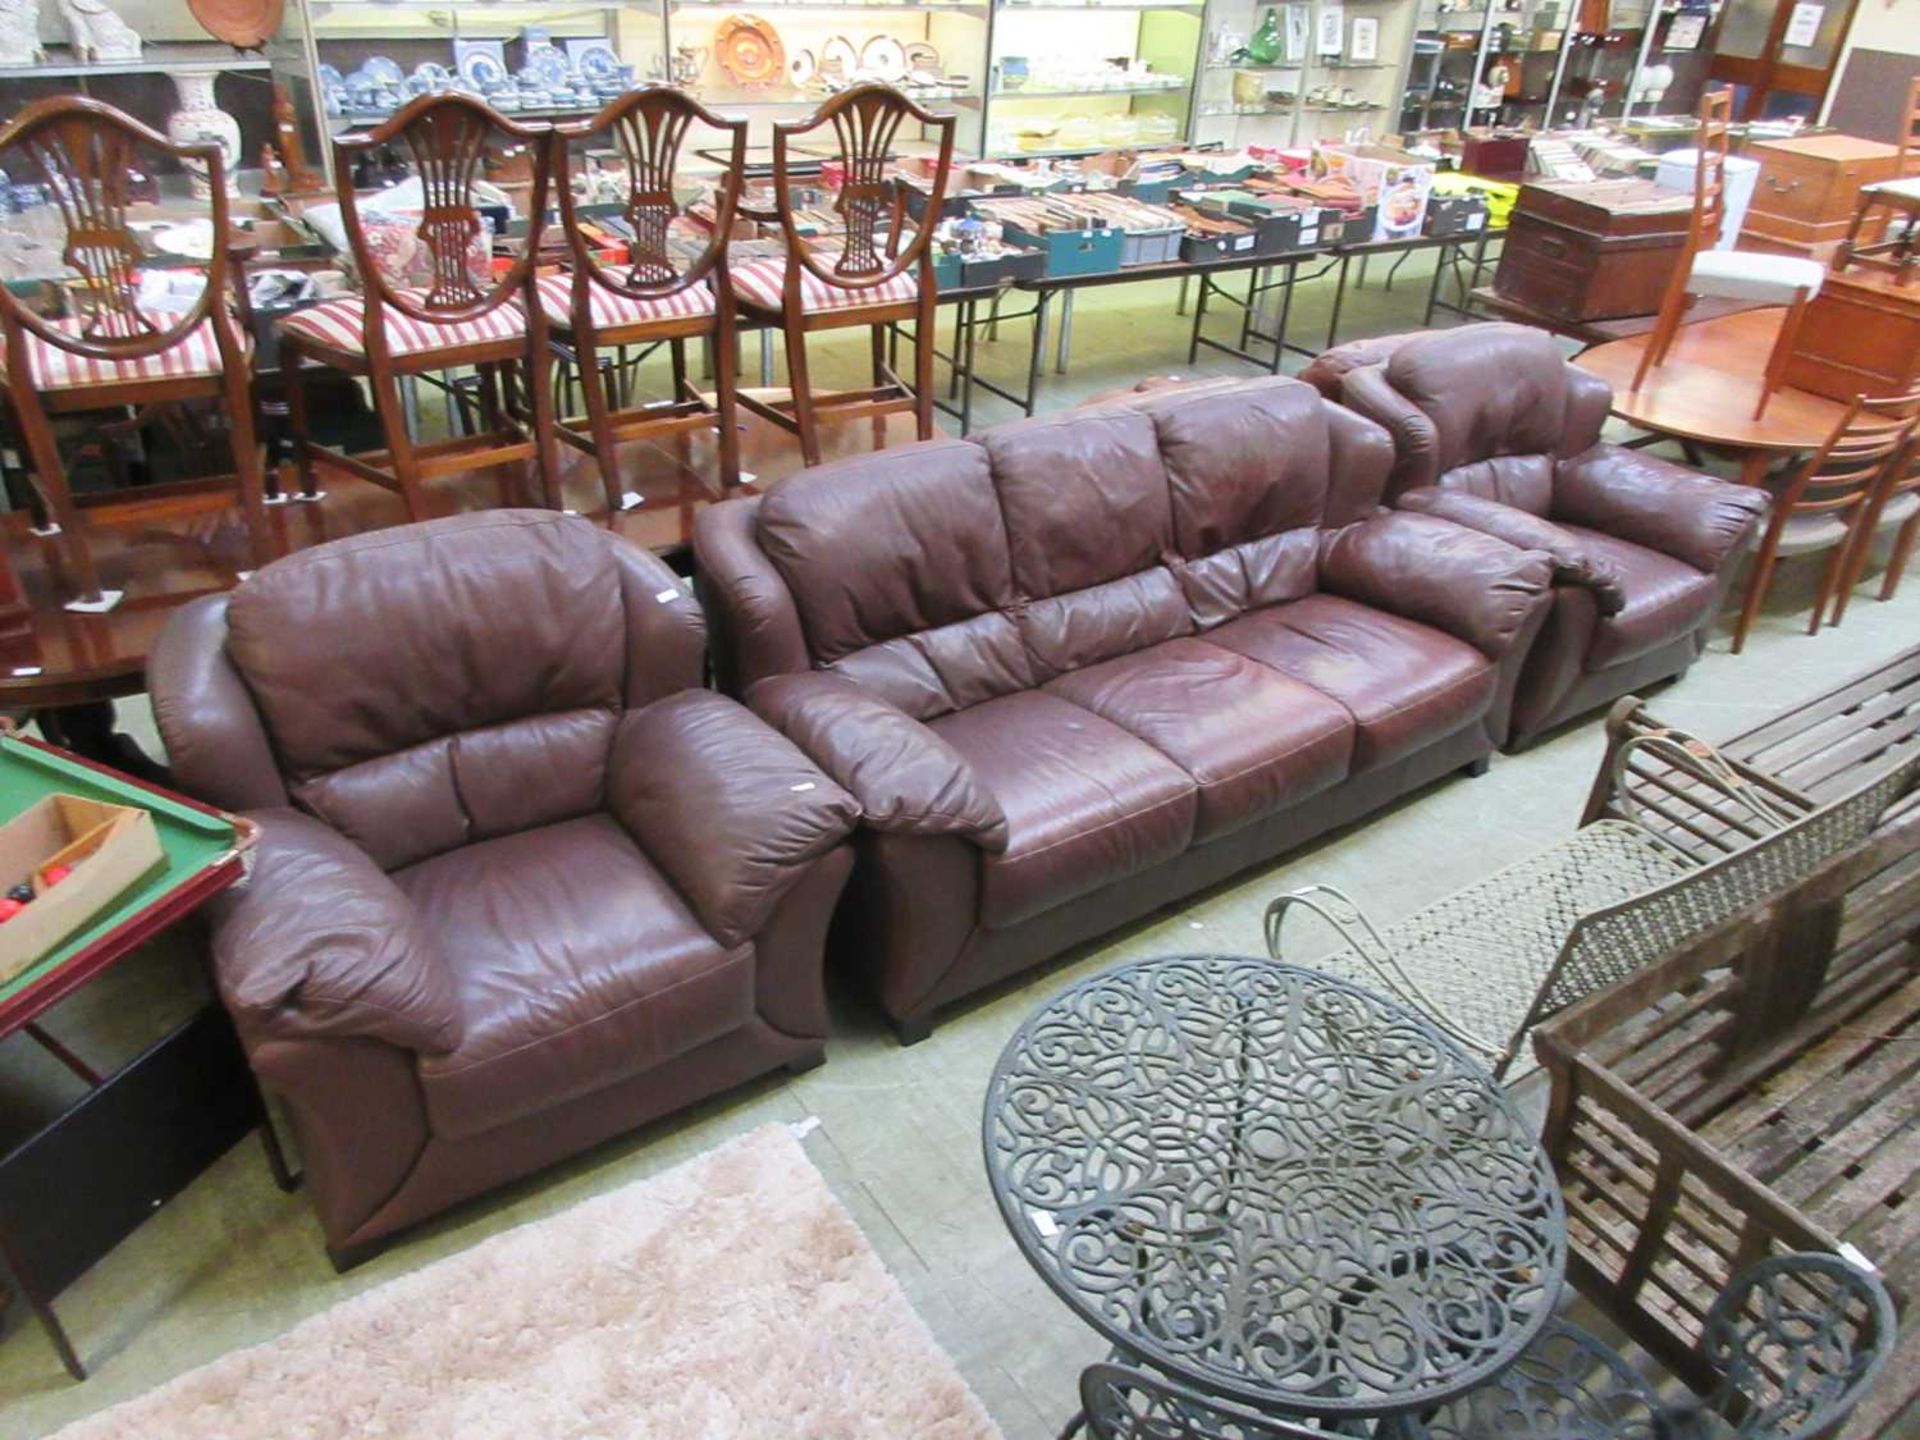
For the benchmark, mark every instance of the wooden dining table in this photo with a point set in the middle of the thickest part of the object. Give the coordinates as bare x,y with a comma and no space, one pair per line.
1706,390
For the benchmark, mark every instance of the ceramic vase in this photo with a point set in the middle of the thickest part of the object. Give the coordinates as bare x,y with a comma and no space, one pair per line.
201,121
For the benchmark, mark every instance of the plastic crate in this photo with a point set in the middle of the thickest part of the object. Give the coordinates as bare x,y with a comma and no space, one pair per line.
1072,252
1150,247
1004,269
947,271
1198,249
1456,214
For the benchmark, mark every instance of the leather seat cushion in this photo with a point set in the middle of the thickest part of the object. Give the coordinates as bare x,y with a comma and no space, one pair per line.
577,965
1086,802
1252,739
1666,598
1405,684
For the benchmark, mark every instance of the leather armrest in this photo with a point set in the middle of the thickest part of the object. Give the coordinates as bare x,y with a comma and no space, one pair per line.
1423,568
756,629
727,806
905,777
1416,443
1572,564
320,942
1653,502
666,629
215,742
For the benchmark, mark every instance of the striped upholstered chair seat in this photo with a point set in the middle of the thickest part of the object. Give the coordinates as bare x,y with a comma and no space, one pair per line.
341,325
614,311
761,283
197,354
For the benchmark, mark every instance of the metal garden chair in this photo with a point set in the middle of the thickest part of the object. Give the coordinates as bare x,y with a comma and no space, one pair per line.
1677,839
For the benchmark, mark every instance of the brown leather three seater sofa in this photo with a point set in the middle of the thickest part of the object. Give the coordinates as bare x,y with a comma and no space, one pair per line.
1082,665
522,883
1494,429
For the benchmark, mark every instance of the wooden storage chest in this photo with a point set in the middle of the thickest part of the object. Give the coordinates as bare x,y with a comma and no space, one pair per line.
1804,197
1592,250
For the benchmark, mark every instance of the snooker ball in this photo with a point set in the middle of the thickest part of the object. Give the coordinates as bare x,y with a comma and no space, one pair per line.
21,893
54,874
9,907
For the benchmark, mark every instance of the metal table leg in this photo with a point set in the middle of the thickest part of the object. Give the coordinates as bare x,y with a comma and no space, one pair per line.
1036,358
766,358
1339,295
1066,332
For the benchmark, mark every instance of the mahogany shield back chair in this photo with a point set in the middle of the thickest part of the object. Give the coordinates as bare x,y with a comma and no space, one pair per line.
881,274
119,349
1728,274
1894,505
1899,226
656,294
429,303
1822,504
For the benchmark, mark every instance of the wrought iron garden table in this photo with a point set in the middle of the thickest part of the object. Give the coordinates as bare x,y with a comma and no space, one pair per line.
1274,1186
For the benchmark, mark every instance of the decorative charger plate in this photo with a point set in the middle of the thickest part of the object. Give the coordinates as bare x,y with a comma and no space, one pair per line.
838,59
884,58
750,51
245,24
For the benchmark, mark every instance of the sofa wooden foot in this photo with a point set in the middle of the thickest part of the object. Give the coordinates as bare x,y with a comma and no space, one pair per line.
912,1032
1480,766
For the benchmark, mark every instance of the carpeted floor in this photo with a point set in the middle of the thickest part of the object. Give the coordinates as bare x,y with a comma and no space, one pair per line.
728,1299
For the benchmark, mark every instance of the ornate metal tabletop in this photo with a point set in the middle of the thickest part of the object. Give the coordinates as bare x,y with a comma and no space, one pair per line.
1274,1185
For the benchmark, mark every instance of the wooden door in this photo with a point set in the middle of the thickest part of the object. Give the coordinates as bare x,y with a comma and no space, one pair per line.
1780,48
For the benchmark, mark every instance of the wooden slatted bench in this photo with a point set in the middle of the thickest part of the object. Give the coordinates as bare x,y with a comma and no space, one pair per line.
1709,1110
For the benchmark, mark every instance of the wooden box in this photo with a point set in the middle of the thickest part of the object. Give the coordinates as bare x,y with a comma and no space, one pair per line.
1805,194
1861,336
106,847
1592,250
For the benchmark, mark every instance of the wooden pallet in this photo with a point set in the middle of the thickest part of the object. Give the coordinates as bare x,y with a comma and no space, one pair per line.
1698,1124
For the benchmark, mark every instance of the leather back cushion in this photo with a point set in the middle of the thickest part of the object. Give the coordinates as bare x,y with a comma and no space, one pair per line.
1084,495
438,683
1489,390
888,544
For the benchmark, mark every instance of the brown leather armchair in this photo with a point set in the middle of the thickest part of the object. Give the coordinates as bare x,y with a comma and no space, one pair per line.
521,884
1494,430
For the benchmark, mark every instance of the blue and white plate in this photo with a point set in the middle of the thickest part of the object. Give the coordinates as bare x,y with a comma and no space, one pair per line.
480,69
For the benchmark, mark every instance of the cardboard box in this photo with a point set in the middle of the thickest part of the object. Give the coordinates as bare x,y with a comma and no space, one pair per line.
1393,182
108,847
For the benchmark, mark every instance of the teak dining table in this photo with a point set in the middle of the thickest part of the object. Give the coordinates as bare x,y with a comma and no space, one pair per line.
1708,386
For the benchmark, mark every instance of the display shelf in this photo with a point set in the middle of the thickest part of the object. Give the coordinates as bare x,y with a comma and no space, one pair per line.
960,7
1164,38
163,58
1374,74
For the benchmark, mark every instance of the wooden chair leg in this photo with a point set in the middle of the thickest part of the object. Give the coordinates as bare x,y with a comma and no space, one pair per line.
1829,579
1665,325
1902,552
593,386
50,478
1782,355
1757,584
540,422
804,418
877,352
293,373
725,353
923,371
248,469
393,423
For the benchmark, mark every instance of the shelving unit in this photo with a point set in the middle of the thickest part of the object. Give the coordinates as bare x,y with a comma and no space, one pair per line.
1049,112
1294,117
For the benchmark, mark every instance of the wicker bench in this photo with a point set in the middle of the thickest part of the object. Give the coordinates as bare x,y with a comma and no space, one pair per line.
1758,1090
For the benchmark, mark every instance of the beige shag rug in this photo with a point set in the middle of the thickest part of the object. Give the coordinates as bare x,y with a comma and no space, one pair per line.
731,1298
